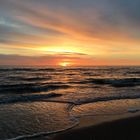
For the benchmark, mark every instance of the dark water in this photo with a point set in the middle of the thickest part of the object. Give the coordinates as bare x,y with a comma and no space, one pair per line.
36,101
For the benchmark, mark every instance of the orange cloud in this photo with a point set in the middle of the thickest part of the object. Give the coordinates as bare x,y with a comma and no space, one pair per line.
41,29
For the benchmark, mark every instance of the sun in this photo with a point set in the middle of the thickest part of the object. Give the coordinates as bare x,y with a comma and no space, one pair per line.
64,64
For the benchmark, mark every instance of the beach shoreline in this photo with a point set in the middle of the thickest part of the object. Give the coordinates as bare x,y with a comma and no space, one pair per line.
117,127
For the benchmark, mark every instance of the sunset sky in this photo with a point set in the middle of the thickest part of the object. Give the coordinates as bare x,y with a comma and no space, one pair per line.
70,32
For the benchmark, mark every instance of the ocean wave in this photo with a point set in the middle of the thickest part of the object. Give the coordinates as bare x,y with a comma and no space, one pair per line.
103,99
134,72
29,78
27,69
31,88
126,82
43,97
16,69
28,98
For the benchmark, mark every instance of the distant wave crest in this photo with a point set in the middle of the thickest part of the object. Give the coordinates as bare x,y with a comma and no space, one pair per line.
27,69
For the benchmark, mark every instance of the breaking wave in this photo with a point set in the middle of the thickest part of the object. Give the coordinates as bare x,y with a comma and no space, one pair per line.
44,97
126,82
103,99
28,98
31,88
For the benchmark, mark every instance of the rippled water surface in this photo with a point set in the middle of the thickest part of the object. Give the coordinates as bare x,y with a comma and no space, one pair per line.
37,100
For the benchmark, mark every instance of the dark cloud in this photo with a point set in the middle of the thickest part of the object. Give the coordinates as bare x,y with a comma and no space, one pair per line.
36,60
94,17
68,53
129,9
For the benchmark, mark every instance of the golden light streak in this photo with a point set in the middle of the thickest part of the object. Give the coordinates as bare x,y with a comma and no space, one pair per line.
65,64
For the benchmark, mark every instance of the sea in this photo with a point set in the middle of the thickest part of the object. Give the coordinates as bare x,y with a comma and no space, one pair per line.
37,101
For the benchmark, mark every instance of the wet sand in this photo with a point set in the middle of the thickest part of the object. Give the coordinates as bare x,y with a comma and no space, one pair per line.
121,127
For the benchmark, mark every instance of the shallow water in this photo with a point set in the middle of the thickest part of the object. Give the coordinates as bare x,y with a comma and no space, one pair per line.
35,100
31,118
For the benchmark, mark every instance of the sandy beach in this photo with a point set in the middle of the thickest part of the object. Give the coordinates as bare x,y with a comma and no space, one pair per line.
118,127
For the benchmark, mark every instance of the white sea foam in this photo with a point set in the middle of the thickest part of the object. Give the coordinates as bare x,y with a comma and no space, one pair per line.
133,110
